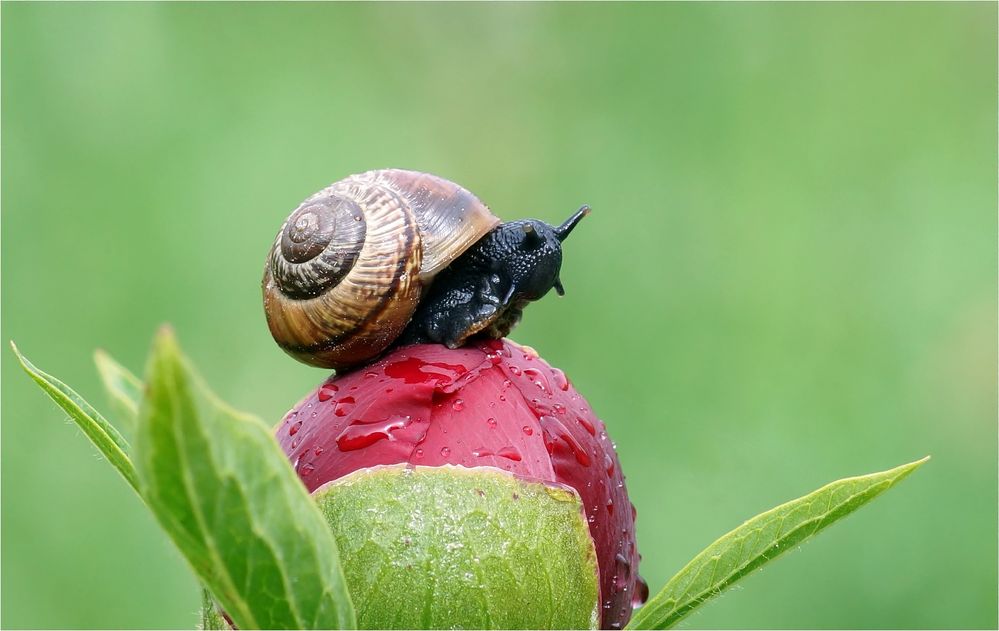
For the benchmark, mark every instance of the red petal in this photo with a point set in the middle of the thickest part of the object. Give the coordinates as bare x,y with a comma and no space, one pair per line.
496,405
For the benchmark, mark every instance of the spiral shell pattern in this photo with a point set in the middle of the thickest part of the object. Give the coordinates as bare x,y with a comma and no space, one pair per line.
348,267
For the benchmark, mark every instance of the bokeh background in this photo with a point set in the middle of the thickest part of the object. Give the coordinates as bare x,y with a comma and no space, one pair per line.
789,275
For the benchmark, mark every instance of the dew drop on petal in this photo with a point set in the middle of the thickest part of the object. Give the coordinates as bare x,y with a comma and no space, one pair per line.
561,380
510,453
327,391
343,406
641,592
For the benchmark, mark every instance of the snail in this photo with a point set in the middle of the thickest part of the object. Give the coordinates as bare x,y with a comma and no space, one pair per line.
393,257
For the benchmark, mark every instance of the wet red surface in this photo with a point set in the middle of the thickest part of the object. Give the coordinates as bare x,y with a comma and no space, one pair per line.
493,404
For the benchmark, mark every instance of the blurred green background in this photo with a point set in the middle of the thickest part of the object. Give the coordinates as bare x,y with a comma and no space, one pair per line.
789,275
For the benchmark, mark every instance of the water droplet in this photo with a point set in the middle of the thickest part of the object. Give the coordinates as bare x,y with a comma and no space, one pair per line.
539,379
481,452
294,428
418,453
527,430
327,391
558,408
358,435
609,465
493,349
307,469
510,453
610,506
561,380
491,423
458,405
554,431
294,443
318,450
507,383
641,592
370,375
343,406
515,370
622,572
587,425
413,370
445,451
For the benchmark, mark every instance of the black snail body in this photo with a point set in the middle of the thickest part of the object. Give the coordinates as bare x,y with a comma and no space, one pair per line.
394,257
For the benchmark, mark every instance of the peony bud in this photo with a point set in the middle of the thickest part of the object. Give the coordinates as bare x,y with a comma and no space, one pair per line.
493,405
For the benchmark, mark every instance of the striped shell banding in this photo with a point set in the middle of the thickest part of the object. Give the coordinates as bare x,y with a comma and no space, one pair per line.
350,264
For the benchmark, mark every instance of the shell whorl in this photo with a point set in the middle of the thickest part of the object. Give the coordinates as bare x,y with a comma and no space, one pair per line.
317,246
348,267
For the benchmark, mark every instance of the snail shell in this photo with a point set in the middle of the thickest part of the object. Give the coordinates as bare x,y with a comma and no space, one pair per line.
350,264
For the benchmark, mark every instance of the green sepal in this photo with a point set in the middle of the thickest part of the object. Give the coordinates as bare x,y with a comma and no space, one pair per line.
450,547
760,540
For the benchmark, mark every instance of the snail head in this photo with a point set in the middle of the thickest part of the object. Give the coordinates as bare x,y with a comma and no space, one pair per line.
530,253
485,290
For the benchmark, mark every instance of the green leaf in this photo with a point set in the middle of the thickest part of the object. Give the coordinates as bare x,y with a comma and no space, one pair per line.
759,540
222,489
211,619
451,547
100,432
123,388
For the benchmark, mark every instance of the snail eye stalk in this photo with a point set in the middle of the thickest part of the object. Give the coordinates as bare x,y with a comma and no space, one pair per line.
531,235
563,231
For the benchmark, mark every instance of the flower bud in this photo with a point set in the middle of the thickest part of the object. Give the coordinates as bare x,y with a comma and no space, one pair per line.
493,407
